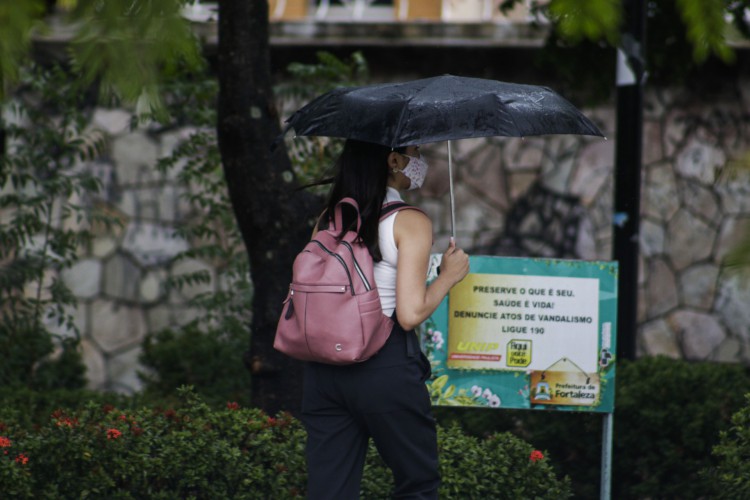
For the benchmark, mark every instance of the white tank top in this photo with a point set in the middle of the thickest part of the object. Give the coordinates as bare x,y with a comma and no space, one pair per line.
385,270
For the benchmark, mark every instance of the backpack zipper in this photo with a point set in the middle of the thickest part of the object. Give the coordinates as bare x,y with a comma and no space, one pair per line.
357,268
340,259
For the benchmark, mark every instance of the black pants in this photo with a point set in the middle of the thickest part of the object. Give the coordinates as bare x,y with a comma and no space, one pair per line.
383,398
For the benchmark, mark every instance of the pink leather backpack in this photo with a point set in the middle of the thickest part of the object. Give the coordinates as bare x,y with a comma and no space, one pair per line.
332,313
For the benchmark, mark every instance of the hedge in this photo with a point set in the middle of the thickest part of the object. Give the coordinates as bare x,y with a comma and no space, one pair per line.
196,451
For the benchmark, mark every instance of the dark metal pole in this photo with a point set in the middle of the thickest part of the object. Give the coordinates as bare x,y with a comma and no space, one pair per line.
626,220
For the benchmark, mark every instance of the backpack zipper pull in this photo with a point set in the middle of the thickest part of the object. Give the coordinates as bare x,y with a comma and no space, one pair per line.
290,310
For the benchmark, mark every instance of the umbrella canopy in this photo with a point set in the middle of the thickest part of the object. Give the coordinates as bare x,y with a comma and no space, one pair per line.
438,109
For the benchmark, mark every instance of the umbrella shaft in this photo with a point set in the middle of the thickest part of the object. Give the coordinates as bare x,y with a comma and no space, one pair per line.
450,182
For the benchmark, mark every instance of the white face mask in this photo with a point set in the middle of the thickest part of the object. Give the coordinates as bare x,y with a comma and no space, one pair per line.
415,171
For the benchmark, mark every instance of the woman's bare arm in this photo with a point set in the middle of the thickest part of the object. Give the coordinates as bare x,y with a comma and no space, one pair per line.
415,301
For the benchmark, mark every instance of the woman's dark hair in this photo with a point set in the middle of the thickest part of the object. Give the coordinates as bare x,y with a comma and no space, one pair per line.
362,174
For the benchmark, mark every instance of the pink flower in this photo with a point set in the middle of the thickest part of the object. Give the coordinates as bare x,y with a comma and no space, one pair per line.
67,421
113,434
270,422
536,455
22,459
232,405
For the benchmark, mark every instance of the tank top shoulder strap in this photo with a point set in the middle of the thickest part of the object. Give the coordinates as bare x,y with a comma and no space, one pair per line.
396,206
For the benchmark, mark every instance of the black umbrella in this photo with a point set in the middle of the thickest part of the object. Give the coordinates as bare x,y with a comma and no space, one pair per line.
435,109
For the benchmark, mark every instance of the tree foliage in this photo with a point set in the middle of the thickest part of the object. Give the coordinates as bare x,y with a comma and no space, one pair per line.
682,35
45,215
124,46
16,22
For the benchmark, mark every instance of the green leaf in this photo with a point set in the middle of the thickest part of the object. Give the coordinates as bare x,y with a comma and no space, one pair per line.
706,28
585,19
17,20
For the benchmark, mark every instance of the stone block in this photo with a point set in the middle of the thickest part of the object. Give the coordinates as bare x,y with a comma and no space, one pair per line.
127,203
657,339
116,326
700,333
731,234
158,318
519,185
112,121
190,291
123,370
730,351
84,278
169,141
734,192
700,161
485,174
689,239
170,205
559,168
152,244
700,200
135,156
661,288
698,285
152,286
586,248
675,130
106,173
642,303
525,155
93,359
652,143
651,238
733,302
592,177
121,278
104,246
661,200
78,315
116,219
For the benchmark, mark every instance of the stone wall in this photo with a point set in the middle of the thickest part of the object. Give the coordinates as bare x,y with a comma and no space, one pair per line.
120,278
535,196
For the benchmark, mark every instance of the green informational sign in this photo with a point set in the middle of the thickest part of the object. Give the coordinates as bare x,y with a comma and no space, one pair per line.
525,333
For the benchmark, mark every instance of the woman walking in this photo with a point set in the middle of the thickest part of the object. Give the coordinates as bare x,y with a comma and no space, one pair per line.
383,398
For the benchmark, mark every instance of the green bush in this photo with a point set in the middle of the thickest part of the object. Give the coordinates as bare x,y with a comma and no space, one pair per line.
731,476
191,451
28,408
668,416
209,360
194,451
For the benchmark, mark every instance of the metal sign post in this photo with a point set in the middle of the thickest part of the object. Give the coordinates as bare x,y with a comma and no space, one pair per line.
607,437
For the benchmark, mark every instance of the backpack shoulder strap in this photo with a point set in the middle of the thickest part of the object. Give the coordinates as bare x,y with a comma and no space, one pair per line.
389,208
396,206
